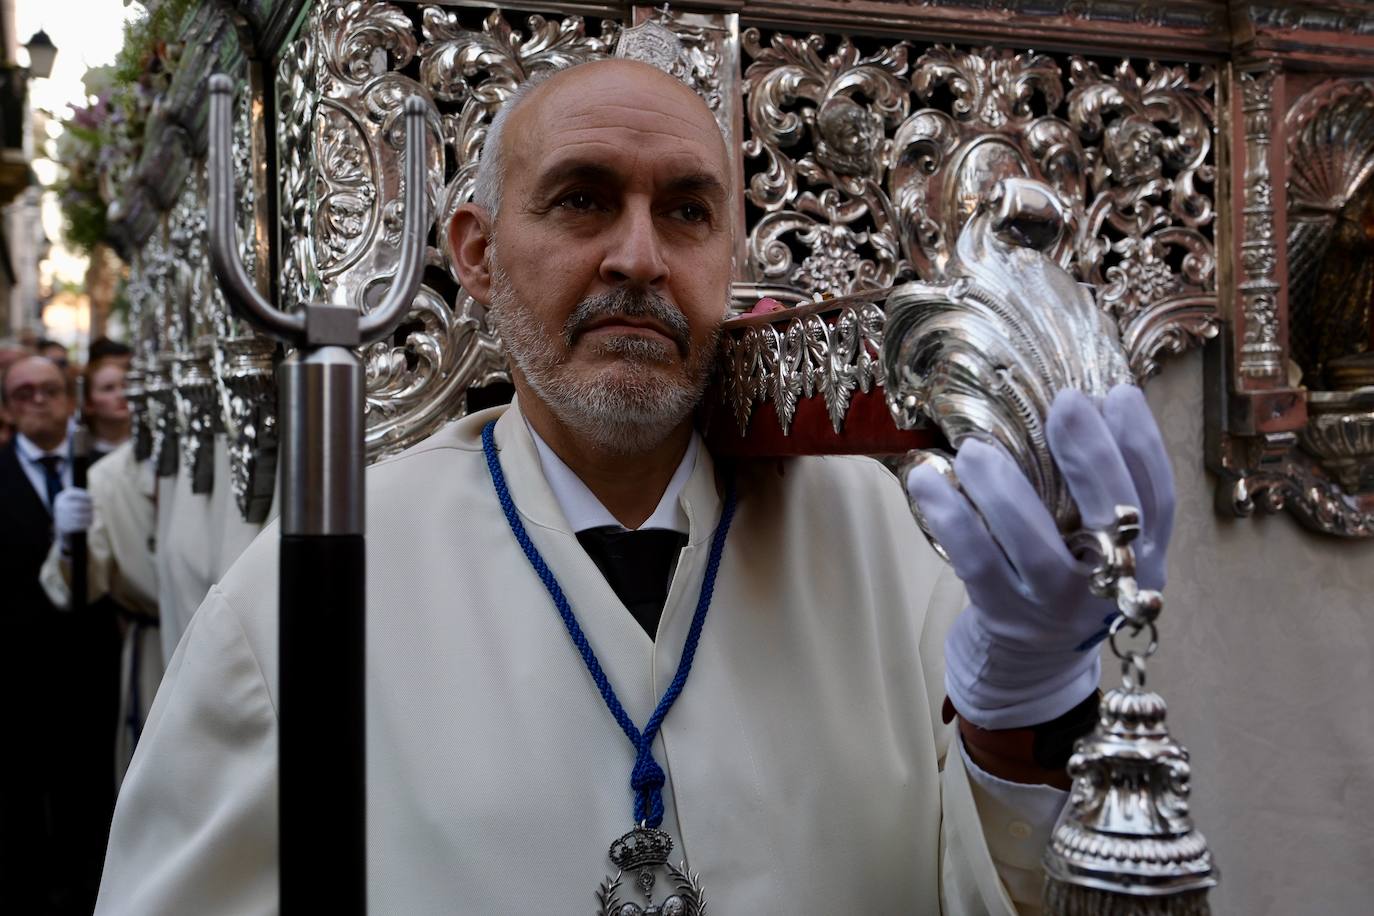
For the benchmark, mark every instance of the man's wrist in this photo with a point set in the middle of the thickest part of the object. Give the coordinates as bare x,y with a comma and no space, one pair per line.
1036,754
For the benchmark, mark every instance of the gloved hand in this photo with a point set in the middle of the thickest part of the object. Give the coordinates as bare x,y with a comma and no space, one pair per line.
1025,651
72,512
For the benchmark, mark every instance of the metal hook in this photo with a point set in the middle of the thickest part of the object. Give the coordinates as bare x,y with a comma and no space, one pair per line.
239,290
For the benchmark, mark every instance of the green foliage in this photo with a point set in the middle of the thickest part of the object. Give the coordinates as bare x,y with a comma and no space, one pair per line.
104,139
146,38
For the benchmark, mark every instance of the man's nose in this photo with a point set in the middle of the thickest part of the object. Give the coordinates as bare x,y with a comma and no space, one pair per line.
635,253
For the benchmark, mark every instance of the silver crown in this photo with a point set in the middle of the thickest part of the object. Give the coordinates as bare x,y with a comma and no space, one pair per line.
642,847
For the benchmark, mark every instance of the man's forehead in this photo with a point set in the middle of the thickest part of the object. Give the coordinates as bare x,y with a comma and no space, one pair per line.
620,116
31,369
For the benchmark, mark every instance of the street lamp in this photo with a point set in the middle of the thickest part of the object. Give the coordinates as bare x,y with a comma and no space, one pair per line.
42,53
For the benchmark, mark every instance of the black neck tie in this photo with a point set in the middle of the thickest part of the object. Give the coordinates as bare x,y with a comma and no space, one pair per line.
52,476
638,565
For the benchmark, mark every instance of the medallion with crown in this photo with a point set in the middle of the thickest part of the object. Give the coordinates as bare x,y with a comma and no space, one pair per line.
642,853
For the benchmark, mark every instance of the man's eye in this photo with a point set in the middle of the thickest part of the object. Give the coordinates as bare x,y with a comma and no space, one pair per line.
693,213
578,200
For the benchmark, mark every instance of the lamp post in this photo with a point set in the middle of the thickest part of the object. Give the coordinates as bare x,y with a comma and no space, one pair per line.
42,54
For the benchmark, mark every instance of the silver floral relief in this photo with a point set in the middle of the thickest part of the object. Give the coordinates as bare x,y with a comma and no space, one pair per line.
819,124
859,186
813,351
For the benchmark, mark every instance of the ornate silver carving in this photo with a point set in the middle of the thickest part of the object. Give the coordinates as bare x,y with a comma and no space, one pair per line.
1127,831
296,99
641,852
1292,16
1125,841
821,350
847,225
143,332
165,323
190,299
1322,473
193,394
417,380
1294,485
1176,14
872,192
1261,355
248,403
983,353
1330,159
162,416
245,379
1340,435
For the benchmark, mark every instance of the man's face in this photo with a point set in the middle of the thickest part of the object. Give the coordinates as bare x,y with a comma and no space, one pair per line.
610,266
106,395
37,398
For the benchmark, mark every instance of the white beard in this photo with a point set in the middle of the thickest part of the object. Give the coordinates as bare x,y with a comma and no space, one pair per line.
625,408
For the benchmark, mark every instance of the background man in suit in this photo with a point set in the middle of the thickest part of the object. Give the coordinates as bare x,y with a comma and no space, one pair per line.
57,786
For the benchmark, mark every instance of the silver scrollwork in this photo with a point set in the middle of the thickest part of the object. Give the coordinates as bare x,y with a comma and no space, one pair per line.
1314,500
870,188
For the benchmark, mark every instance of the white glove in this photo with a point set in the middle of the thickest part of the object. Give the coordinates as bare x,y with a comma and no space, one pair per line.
1025,650
72,511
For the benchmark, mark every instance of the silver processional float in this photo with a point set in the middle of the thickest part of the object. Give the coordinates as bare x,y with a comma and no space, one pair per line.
981,353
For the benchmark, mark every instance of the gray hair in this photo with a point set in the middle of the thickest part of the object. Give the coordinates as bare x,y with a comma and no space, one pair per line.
491,162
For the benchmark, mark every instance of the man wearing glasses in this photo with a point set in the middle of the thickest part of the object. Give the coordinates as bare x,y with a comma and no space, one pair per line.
55,794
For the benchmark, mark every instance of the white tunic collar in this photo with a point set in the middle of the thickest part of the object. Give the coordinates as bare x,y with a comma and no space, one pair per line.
583,510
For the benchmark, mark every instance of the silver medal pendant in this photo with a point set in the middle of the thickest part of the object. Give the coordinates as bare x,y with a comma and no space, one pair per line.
640,854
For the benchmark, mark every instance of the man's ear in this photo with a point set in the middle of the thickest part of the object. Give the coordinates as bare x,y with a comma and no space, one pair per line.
469,238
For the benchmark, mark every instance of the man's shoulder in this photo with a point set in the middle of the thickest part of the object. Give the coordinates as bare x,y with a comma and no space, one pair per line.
826,478
840,499
401,489
461,437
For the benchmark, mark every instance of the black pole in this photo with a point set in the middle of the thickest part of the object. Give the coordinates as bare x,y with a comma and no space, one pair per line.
81,462
322,818
322,814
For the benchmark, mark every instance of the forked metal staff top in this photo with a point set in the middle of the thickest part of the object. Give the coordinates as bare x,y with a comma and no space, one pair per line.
297,327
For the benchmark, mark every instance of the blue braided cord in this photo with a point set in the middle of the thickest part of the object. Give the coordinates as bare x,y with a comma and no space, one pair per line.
647,777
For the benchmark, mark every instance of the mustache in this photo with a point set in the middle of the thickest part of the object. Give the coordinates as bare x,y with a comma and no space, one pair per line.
627,302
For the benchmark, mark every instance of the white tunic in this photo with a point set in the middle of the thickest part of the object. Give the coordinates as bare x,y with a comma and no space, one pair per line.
803,760
200,535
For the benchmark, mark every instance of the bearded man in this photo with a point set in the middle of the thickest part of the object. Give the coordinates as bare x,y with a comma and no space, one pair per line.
581,626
